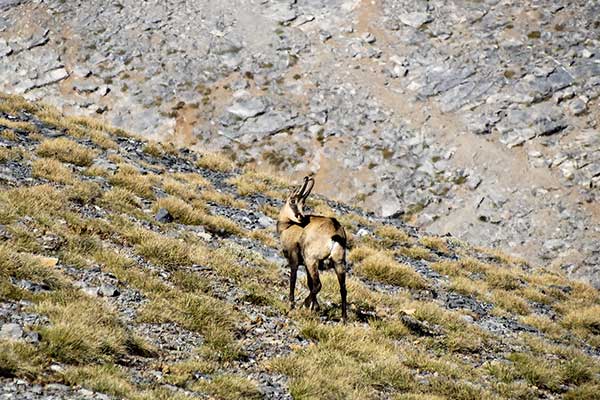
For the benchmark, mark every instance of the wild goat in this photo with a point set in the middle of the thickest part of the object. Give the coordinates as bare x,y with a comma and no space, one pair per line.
312,240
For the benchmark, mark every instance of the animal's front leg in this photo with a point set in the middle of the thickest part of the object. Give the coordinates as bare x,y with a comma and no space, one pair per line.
293,275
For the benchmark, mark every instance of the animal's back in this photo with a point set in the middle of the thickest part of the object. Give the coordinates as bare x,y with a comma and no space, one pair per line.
324,237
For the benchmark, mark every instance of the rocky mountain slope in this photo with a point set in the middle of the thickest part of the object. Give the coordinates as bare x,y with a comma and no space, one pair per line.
131,269
477,118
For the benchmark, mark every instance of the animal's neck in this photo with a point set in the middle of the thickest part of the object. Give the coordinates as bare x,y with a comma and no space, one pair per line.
282,225
285,223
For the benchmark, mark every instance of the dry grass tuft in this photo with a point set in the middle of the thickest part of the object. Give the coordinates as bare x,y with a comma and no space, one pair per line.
130,178
66,150
186,214
22,360
105,378
224,199
165,252
214,318
383,268
121,200
8,134
9,154
154,149
34,201
229,387
391,235
468,286
251,182
20,126
15,104
52,170
358,361
434,243
502,258
216,162
503,279
415,253
77,337
103,140
584,320
536,371
462,267
510,302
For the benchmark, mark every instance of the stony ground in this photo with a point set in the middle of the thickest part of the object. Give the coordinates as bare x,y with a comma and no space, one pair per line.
133,270
477,118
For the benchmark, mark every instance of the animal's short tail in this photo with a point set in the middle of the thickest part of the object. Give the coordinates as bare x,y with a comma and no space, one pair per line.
340,239
338,249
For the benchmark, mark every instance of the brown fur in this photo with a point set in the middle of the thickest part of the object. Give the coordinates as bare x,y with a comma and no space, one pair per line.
312,240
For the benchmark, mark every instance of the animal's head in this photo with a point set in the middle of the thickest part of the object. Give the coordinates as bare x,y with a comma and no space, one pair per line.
293,209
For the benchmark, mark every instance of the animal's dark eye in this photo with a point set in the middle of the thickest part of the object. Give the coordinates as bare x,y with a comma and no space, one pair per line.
293,201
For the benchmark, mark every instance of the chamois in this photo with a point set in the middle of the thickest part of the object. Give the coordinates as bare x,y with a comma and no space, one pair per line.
312,240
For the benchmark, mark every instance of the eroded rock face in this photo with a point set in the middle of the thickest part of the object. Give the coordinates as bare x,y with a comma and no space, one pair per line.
426,109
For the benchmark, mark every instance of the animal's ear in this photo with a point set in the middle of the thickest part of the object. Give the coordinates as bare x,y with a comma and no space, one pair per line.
309,183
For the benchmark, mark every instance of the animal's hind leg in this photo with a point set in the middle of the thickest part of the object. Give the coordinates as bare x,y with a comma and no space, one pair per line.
340,271
315,291
309,282
312,271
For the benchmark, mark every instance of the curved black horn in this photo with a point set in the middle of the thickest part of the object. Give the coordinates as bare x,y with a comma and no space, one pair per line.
311,183
301,191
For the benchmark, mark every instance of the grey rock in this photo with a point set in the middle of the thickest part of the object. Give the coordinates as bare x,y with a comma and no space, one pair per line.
7,4
103,90
368,37
248,107
163,215
85,392
421,328
56,387
324,36
459,301
105,164
415,19
48,78
473,182
5,49
549,125
585,53
577,106
57,368
11,331
85,87
267,124
90,291
4,233
282,12
81,72
37,40
362,232
108,291
554,244
265,221
32,337
51,242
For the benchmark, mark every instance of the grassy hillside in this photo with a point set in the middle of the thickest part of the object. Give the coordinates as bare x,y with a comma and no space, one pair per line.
98,296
